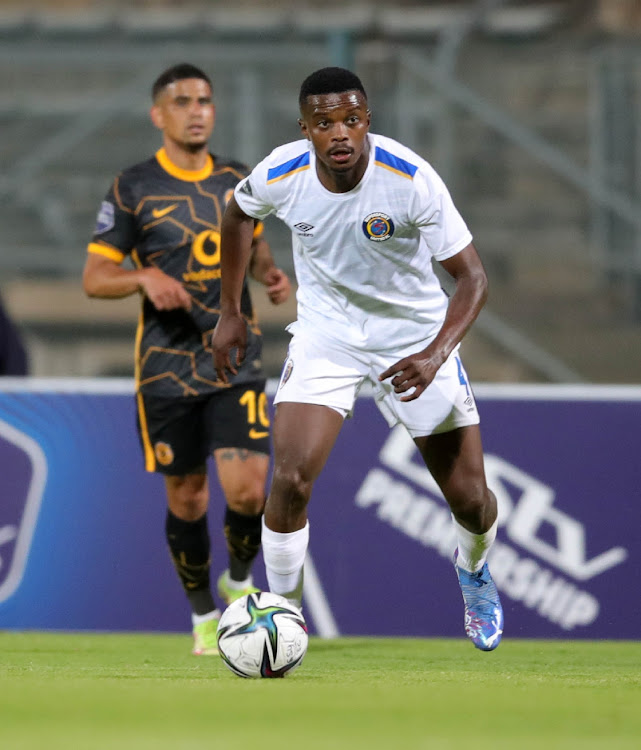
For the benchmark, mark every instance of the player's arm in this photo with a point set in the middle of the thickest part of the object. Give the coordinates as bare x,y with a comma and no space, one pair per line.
263,269
105,278
470,294
416,372
237,237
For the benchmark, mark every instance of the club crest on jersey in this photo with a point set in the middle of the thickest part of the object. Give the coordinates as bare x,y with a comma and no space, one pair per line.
105,219
378,227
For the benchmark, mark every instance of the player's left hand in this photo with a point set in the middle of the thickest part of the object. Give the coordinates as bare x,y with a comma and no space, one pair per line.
278,285
416,371
230,332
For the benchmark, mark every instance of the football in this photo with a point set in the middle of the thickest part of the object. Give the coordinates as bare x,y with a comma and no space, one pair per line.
262,635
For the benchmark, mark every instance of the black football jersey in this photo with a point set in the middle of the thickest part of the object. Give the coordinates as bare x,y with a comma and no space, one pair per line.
164,216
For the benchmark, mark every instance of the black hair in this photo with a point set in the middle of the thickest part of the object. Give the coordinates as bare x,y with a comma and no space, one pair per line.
177,73
330,81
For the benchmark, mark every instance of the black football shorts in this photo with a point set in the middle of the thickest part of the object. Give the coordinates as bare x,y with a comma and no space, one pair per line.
178,435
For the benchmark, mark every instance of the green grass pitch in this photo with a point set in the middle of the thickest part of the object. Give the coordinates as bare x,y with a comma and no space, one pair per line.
147,692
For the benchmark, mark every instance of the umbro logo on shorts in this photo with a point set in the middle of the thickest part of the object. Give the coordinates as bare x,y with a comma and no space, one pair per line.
303,227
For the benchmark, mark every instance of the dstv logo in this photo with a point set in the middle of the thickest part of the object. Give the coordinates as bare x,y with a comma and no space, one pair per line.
23,472
526,513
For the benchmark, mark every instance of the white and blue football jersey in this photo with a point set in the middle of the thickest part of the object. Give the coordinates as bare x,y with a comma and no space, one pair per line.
363,259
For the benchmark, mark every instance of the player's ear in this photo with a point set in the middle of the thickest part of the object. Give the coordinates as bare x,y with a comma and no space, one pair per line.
303,128
156,117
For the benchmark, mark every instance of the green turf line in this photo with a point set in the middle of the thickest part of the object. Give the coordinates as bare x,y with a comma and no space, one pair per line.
139,692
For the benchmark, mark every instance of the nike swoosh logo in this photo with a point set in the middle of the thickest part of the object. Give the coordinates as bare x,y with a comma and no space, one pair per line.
158,213
255,434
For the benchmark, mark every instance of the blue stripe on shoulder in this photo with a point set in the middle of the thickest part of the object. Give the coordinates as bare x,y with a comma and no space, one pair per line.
385,159
293,165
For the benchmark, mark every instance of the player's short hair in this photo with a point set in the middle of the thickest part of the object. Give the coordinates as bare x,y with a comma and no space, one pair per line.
330,81
177,73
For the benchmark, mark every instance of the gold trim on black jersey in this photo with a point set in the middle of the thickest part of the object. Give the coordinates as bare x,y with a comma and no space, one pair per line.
188,175
150,456
107,251
169,218
188,390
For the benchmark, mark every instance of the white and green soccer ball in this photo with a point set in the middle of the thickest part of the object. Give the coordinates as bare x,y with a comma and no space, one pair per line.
262,635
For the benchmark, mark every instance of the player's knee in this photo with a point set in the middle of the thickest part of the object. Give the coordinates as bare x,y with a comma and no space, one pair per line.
471,502
187,499
188,508
247,503
290,487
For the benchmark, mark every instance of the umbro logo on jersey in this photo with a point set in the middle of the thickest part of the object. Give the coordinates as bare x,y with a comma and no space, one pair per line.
158,213
304,229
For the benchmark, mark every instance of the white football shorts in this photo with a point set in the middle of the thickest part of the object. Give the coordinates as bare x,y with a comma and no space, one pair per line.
318,371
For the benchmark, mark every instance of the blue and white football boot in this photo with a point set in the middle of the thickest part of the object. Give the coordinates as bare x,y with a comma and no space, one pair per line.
483,610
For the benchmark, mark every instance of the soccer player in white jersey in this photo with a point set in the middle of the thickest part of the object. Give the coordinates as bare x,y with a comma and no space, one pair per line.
368,216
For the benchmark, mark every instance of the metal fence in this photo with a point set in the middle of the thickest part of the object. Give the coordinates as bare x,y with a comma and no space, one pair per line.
537,135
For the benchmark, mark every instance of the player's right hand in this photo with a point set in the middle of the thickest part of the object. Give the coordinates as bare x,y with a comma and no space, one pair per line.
278,286
163,291
230,333
414,372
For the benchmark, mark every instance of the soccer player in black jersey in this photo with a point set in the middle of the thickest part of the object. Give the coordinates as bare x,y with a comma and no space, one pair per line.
165,214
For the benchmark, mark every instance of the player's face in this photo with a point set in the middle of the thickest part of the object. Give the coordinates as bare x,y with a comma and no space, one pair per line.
184,111
337,125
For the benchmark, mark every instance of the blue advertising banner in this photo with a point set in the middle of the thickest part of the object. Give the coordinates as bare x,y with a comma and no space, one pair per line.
82,524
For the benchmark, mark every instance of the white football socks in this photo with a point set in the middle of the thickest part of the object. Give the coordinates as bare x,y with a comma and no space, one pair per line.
284,555
473,548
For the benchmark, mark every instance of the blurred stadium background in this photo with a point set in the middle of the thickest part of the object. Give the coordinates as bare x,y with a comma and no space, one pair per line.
531,111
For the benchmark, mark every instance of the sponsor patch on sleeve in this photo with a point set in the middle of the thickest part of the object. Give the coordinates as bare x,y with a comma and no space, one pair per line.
105,219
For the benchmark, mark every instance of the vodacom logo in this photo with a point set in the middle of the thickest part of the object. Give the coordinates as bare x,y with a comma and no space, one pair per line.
206,248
